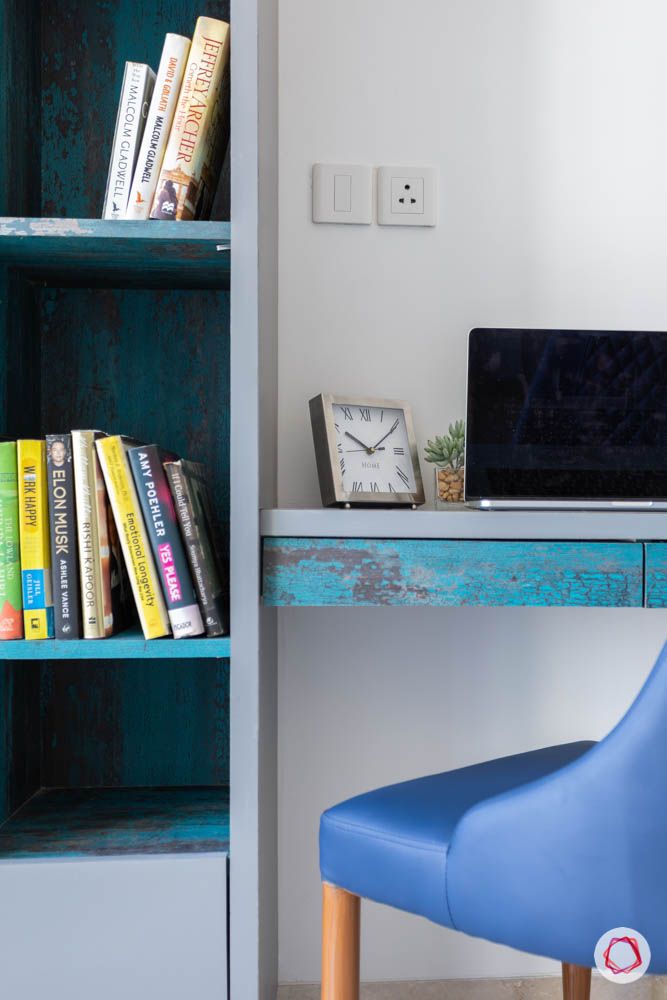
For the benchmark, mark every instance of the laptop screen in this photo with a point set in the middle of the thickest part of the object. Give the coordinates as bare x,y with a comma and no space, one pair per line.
566,415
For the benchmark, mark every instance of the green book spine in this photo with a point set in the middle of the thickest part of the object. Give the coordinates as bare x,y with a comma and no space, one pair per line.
11,617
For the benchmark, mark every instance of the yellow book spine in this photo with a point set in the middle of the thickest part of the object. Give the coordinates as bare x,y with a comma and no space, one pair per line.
34,540
134,543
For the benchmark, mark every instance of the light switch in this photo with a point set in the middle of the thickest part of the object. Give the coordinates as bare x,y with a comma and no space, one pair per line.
343,193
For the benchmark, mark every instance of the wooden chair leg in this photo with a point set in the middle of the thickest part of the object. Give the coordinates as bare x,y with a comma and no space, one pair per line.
340,943
576,982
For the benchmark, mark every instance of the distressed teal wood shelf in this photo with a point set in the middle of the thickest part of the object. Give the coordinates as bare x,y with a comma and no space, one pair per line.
125,645
79,822
100,253
406,571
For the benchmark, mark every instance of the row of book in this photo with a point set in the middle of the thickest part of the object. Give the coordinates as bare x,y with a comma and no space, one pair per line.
172,129
98,529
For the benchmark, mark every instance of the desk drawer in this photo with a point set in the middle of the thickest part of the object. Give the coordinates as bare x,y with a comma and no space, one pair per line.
367,572
656,574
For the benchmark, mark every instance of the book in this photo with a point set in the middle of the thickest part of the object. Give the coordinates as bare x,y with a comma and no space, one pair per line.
158,125
62,528
104,589
135,93
187,481
165,540
188,177
11,604
141,569
34,540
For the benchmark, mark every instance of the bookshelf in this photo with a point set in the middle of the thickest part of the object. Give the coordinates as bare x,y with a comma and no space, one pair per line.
119,745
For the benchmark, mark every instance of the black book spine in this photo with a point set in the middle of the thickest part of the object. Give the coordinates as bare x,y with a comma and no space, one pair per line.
62,529
164,535
190,494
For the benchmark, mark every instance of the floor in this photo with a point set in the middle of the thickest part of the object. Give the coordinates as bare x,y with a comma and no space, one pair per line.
649,988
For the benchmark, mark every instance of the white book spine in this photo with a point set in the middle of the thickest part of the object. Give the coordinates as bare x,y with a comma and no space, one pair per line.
158,125
135,94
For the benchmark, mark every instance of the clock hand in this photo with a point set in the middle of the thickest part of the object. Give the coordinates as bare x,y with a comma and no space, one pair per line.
390,431
350,451
364,446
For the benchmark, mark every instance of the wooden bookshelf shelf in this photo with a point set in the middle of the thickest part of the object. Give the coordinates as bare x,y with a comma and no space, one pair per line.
80,822
128,645
97,253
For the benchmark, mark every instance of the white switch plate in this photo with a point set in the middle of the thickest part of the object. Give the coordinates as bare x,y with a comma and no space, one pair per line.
407,196
343,192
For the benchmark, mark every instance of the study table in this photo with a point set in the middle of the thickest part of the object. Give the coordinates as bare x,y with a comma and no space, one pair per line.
335,557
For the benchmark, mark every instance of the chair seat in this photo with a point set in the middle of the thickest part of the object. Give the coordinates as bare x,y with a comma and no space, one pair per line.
391,845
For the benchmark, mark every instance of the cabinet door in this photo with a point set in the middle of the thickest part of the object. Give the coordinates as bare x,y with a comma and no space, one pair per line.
354,571
114,927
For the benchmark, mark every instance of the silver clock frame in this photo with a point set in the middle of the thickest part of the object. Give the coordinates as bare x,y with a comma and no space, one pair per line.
328,463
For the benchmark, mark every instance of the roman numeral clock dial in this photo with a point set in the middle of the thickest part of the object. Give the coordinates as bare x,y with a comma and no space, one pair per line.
365,452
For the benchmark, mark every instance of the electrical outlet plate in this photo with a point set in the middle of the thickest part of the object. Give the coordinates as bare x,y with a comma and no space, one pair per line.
407,196
343,192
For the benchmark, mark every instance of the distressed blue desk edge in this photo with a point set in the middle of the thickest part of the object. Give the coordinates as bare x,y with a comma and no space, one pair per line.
351,572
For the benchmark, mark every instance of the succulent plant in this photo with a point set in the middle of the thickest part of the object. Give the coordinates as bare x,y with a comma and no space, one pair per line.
448,450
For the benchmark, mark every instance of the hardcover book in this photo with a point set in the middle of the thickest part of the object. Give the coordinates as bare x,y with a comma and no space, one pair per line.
62,524
112,452
158,124
34,540
187,481
165,540
198,136
11,605
135,94
105,593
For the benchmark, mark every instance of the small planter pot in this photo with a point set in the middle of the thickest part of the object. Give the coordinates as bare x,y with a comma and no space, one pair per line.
448,487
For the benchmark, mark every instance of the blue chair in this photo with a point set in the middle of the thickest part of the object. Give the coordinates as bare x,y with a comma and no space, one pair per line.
543,851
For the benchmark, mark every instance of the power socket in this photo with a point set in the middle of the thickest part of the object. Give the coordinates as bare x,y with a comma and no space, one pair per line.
407,196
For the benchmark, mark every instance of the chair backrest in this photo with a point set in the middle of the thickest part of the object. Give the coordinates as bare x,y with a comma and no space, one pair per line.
564,859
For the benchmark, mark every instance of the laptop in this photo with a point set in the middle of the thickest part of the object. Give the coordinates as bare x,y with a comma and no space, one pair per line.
566,419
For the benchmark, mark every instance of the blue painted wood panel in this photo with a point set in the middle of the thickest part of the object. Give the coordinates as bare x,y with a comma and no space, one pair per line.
20,735
363,572
67,823
139,722
656,574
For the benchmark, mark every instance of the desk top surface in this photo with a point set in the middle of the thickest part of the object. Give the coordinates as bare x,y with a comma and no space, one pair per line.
462,522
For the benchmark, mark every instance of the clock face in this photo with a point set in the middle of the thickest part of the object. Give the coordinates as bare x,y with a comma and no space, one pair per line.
373,449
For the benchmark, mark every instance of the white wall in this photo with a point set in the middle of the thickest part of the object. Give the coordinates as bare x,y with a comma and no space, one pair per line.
546,120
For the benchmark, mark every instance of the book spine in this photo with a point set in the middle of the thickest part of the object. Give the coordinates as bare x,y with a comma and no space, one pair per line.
34,539
158,124
62,524
198,549
133,539
11,604
209,155
85,489
138,80
165,539
181,172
